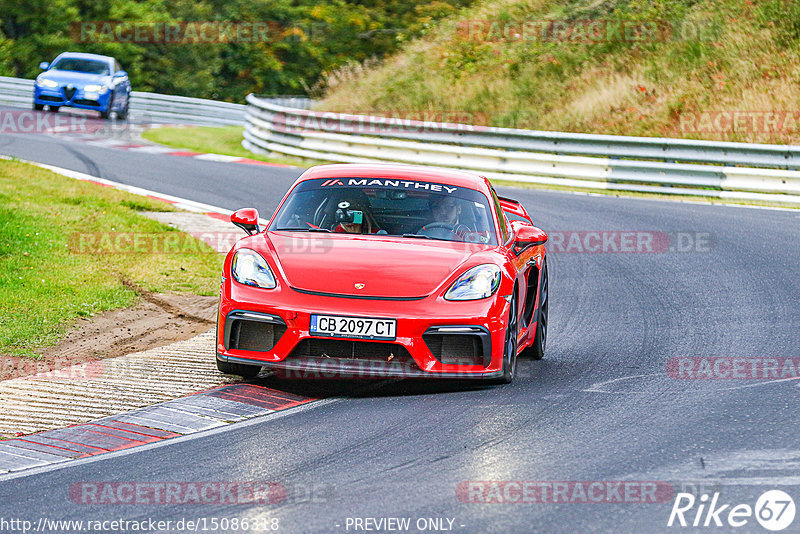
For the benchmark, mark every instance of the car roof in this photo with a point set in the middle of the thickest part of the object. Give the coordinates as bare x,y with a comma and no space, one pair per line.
83,55
397,171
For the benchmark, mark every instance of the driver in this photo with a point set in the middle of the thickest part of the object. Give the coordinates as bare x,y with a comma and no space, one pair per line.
446,209
445,213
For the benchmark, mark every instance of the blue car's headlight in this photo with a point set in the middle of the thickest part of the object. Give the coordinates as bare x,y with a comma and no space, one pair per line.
479,282
250,268
95,88
44,82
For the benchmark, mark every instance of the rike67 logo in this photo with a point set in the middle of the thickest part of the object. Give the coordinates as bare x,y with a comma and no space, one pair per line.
774,510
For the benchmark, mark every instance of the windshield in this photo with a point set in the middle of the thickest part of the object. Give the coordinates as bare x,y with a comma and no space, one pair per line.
371,206
89,66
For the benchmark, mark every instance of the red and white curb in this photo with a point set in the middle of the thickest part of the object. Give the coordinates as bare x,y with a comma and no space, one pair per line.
90,397
209,409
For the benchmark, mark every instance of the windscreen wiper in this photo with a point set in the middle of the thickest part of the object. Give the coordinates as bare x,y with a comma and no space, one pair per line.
419,236
303,230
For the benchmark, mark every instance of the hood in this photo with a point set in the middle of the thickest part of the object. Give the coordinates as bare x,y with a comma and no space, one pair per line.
78,79
388,267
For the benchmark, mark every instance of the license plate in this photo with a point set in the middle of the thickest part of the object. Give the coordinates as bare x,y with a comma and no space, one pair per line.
353,327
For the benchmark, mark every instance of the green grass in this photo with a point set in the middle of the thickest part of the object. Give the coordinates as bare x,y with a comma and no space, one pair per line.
45,283
225,140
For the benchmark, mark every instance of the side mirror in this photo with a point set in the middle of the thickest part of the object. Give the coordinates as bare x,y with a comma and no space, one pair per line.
247,220
526,235
44,65
120,74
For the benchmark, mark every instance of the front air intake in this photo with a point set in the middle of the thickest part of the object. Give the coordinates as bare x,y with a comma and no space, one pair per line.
253,331
459,345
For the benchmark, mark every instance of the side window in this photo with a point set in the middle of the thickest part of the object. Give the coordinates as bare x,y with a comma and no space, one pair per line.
501,217
117,66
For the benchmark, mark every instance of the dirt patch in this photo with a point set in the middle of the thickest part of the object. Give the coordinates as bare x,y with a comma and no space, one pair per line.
159,319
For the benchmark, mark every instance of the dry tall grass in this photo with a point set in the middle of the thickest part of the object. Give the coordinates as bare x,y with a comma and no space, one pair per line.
689,87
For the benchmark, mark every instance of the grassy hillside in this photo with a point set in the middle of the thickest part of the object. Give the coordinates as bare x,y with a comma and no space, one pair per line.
712,69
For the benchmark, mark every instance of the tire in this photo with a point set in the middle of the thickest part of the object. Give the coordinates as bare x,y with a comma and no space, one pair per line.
536,350
123,115
243,370
38,107
510,345
54,109
107,113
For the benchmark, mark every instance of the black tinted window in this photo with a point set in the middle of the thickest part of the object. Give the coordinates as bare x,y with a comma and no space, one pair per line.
389,207
89,66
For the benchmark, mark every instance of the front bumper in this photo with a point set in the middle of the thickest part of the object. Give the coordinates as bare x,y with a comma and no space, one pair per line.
60,96
475,329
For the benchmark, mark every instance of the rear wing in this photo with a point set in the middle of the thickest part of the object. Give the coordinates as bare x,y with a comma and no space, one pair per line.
513,208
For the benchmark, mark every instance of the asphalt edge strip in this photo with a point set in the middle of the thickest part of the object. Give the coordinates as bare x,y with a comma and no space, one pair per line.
88,441
169,441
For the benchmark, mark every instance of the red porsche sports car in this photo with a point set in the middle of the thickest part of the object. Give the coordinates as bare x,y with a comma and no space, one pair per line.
385,270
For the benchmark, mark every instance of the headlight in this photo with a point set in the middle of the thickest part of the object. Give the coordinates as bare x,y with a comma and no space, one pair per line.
47,83
477,283
250,269
94,88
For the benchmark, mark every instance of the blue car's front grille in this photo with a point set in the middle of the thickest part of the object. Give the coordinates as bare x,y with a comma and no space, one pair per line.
48,98
69,92
85,102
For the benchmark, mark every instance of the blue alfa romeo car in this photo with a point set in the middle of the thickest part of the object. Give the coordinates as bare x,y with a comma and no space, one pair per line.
85,81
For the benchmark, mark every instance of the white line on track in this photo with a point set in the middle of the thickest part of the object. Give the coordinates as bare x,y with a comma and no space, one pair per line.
597,386
178,202
189,205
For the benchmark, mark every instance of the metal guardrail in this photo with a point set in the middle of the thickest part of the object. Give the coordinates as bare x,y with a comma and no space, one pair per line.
154,107
659,165
16,91
289,101
145,107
